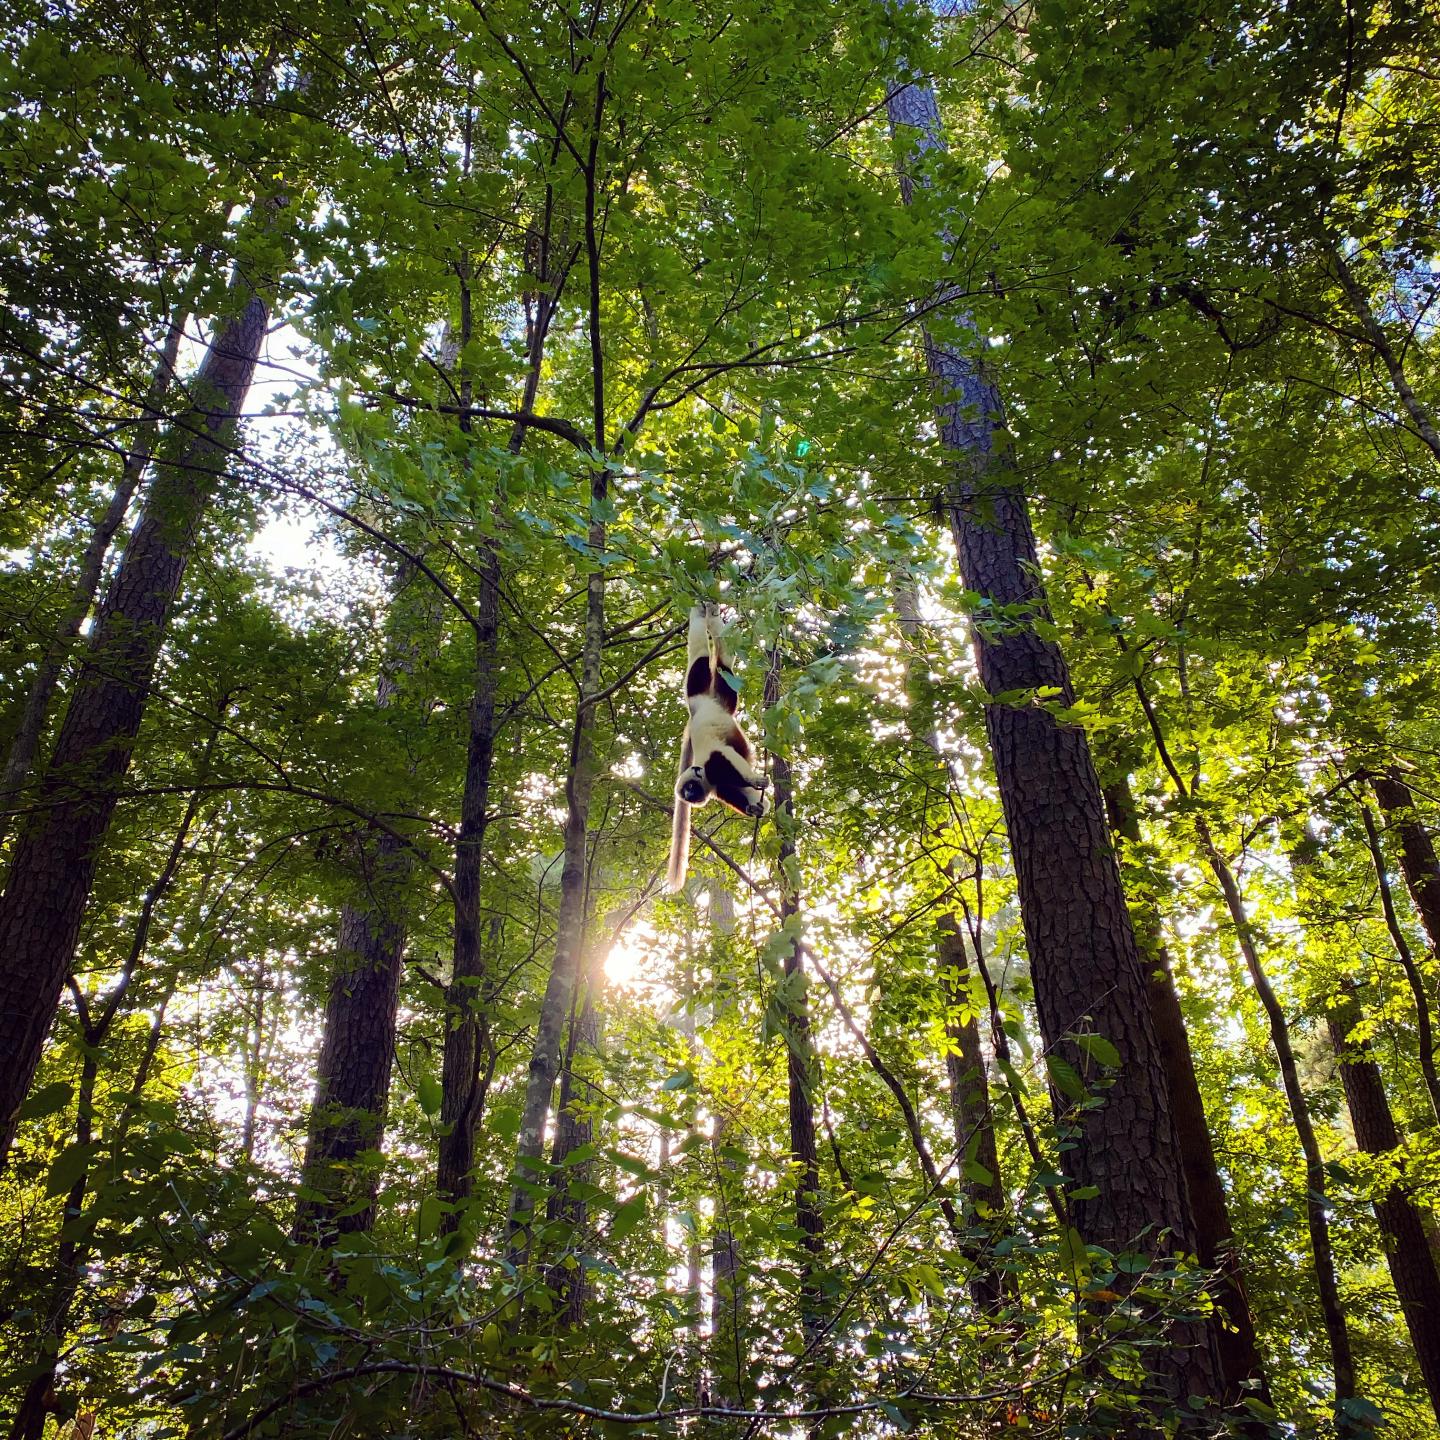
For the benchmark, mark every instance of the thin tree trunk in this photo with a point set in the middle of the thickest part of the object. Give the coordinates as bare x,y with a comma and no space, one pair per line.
1424,1022
971,1117
59,845
1084,959
727,1301
1235,1338
575,1127
1380,341
1417,852
570,916
469,1053
47,675
1407,1247
799,1049
1317,1205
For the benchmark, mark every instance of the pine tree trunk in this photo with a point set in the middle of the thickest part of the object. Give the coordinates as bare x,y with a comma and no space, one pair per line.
59,844
1235,1338
26,743
1407,1247
1084,959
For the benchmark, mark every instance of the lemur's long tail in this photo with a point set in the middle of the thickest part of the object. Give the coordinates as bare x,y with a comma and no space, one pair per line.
679,847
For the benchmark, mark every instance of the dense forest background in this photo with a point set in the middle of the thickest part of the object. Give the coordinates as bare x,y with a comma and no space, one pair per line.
1047,393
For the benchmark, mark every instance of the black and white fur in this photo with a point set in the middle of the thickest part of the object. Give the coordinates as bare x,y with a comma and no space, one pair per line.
715,758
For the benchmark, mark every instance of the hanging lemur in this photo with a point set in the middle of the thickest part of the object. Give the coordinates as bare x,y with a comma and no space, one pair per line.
715,757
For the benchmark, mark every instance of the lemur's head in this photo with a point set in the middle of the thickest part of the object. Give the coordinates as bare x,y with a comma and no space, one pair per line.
693,787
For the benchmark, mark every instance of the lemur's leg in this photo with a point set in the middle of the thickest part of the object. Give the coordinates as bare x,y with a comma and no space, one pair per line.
726,687
697,661
743,765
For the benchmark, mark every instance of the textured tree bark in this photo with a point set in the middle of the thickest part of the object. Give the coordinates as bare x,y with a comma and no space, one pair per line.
1407,1247
469,1054
357,1050
58,847
47,675
1084,959
1235,1339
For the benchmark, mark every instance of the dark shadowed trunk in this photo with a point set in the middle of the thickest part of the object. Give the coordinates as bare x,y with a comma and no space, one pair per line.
727,1300
357,1045
1424,1019
799,1050
1317,1204
95,1026
1234,1329
469,1053
1417,851
47,674
569,919
1084,960
575,1127
59,844
1407,1247
357,1050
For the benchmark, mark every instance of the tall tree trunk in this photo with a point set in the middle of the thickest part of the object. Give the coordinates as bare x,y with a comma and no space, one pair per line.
47,674
357,1044
357,1051
1424,1020
1235,1338
59,844
1317,1205
570,916
973,1122
1407,1246
970,1114
1084,959
574,1127
727,1300
469,1053
1417,852
799,1049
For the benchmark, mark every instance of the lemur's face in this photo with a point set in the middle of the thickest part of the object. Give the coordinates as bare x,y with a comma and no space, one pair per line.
692,786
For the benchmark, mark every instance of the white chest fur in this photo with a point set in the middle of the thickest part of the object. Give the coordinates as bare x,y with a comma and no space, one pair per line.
710,723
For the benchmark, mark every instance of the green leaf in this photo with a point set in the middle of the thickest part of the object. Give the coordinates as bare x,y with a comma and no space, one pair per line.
46,1100
628,1216
1100,1049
